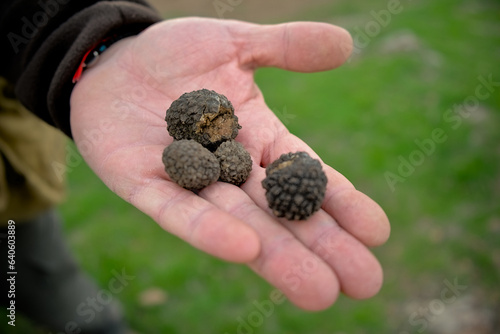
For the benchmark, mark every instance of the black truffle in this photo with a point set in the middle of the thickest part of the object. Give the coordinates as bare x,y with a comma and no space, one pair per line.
202,115
235,162
295,186
190,165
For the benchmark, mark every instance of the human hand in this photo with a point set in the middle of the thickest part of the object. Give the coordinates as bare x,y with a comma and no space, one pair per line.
117,120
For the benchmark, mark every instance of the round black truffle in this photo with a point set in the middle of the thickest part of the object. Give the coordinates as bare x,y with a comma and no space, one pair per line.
295,186
235,162
202,115
190,165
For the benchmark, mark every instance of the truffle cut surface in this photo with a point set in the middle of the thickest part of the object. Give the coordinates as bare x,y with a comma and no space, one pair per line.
202,115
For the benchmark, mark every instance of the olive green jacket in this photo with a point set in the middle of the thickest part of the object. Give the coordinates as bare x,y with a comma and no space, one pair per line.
31,153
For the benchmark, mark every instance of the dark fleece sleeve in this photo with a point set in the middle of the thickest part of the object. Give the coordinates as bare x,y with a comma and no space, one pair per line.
44,41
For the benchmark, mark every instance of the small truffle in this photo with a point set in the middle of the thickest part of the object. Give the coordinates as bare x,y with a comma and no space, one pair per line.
235,162
295,186
190,165
202,115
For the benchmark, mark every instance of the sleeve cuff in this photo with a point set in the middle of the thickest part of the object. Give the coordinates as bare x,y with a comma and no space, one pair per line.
46,84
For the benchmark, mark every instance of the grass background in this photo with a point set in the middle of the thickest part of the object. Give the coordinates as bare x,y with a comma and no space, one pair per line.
362,119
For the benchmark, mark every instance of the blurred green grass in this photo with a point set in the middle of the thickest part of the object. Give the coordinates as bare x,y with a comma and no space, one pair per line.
360,119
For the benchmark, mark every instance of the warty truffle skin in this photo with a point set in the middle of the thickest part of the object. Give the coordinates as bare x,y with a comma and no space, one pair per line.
235,162
202,115
295,186
190,165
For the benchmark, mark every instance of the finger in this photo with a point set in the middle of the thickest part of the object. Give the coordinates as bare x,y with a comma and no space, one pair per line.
200,223
354,211
358,271
296,46
357,213
177,210
284,262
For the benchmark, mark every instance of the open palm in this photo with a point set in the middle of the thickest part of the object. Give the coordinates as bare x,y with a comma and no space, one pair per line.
117,120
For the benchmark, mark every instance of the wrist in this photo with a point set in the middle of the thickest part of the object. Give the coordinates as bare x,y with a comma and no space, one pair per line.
92,56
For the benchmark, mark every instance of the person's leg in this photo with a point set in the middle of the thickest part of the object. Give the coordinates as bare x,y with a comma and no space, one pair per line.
50,288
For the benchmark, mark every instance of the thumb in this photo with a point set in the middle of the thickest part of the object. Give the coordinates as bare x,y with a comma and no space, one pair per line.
296,46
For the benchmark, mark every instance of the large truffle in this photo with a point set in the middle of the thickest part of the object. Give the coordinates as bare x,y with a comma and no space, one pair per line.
235,162
202,115
190,165
295,186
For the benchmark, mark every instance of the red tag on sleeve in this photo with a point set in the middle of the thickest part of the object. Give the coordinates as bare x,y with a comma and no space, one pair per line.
79,71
